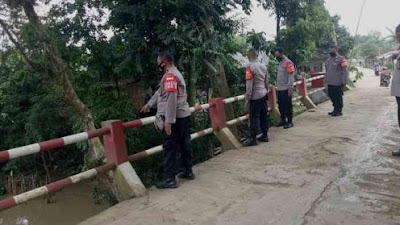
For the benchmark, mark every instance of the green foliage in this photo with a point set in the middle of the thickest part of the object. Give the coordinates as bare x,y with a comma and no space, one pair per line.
258,41
202,36
272,71
342,38
309,29
314,26
372,45
358,74
31,111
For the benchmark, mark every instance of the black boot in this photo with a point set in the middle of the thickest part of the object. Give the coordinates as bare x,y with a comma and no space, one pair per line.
288,125
283,122
186,175
167,183
331,113
396,153
335,114
250,142
264,138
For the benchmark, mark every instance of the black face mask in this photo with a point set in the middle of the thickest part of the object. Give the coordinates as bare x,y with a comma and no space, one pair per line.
279,58
161,67
333,54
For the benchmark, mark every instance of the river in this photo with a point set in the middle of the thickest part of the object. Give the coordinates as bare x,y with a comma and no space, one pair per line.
72,205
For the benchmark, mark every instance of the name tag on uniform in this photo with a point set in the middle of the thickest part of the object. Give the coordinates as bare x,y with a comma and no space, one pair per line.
249,74
343,63
170,83
289,67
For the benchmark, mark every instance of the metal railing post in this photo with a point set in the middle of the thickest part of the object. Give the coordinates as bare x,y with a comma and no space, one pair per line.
125,177
218,122
273,104
302,89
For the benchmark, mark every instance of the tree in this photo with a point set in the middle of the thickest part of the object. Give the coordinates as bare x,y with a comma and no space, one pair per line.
258,41
31,111
195,31
55,68
343,39
315,26
372,45
281,9
287,12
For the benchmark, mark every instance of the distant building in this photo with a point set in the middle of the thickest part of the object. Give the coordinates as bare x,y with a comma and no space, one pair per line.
316,64
386,56
386,59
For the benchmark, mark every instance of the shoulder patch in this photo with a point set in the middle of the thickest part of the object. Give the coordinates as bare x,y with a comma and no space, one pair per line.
249,73
289,67
343,63
170,83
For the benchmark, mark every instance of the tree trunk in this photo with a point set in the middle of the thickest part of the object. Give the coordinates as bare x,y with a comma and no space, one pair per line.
220,88
278,30
59,70
4,57
192,81
192,90
117,86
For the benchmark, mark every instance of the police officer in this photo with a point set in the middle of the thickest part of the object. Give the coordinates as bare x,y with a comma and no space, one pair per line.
173,117
257,96
396,80
284,87
336,78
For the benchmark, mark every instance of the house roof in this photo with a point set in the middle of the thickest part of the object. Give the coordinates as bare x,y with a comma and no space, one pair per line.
386,55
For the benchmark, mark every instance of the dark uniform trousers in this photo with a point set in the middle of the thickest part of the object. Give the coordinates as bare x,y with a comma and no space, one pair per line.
336,95
398,109
259,116
285,106
179,140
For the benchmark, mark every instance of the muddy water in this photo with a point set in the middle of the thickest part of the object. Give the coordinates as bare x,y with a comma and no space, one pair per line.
72,205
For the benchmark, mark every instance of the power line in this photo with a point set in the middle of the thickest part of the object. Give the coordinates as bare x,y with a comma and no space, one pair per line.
355,35
359,18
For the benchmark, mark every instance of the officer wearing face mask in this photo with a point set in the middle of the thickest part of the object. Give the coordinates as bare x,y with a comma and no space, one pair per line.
284,87
336,78
257,96
173,117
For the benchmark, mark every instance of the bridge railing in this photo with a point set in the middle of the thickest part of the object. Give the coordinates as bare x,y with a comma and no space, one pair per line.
115,147
116,151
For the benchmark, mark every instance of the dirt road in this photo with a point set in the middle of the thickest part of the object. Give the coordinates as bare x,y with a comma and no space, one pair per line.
323,171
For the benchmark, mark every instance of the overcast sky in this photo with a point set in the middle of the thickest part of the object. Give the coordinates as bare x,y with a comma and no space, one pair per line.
377,15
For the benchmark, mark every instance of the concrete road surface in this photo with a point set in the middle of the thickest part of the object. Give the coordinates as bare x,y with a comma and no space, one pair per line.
324,171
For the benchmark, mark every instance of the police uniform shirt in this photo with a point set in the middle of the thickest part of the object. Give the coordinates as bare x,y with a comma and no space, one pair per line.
171,97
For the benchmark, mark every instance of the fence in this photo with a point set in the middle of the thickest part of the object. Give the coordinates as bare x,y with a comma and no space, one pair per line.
116,150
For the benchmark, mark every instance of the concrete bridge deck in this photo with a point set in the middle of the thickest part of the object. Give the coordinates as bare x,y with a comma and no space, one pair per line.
323,171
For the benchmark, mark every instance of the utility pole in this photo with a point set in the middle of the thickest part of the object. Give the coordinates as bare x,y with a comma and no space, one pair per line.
357,28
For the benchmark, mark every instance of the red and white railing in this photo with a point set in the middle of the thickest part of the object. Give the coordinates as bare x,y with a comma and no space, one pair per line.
114,142
84,136
50,145
111,164
317,84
